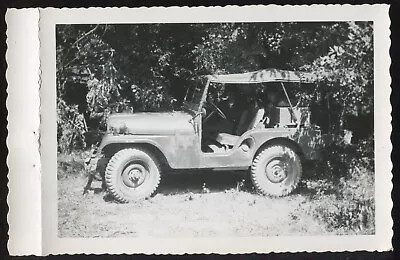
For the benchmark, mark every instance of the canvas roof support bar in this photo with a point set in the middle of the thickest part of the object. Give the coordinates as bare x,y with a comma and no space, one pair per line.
290,103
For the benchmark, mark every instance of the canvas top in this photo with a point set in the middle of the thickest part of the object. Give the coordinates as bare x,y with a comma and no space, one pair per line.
266,75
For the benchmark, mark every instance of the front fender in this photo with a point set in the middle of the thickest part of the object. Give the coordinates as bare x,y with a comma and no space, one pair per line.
128,139
163,143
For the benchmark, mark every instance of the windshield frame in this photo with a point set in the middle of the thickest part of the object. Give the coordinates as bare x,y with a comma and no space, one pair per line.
195,104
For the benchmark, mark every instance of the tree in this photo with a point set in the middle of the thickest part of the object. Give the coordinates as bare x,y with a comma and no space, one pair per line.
146,67
347,70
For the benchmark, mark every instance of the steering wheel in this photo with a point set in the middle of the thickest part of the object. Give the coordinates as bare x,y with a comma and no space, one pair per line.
214,108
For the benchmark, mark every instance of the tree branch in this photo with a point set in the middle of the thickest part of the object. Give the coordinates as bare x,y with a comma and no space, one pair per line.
75,43
85,35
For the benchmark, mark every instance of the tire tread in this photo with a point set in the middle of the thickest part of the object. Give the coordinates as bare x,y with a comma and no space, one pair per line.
113,165
255,179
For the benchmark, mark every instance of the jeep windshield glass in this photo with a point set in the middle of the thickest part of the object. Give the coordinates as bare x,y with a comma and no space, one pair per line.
194,94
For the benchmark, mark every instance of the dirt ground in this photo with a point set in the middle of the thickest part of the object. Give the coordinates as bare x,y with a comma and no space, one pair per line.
186,205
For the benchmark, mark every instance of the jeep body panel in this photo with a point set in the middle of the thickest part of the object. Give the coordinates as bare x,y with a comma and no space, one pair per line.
167,145
255,139
238,157
148,123
174,134
182,150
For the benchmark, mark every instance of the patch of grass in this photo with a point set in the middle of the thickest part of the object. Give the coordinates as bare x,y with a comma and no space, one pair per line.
342,188
72,164
346,206
326,202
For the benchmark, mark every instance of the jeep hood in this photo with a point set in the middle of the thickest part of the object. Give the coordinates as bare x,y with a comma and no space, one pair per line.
149,123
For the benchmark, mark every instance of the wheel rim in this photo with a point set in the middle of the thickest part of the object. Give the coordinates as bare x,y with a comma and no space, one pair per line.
277,170
134,175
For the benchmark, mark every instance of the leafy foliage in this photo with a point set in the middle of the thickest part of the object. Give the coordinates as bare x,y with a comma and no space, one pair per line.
103,69
346,204
346,176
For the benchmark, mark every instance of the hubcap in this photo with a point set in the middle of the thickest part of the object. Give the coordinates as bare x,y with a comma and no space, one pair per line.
134,175
276,170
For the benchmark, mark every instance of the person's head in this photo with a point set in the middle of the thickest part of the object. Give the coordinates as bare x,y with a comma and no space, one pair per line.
227,93
271,97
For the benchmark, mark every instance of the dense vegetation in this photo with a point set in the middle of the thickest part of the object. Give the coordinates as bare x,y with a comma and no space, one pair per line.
110,68
146,67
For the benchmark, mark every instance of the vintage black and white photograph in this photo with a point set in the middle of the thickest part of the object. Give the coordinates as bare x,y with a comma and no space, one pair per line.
197,130
231,129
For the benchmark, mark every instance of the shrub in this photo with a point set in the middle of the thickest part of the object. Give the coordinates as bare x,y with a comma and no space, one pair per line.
350,210
350,205
70,164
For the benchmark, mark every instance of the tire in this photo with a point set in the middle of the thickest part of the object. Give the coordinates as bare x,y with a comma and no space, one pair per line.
276,171
132,174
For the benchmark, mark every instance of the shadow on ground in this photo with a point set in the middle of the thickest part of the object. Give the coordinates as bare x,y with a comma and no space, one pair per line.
208,181
204,182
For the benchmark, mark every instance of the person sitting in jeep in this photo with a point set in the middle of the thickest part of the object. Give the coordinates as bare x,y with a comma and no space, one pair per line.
232,108
273,99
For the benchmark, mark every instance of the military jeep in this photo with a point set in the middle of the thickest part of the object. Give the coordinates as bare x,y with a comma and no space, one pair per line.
269,138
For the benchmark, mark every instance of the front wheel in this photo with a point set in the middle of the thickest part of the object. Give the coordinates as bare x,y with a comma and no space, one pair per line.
276,171
132,174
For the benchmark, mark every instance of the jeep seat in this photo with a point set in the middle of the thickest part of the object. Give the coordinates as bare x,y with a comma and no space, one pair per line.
229,139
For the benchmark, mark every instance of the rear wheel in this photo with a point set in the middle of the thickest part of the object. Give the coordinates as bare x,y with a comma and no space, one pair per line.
132,174
276,170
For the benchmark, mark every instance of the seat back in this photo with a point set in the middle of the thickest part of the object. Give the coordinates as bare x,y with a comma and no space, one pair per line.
241,126
257,118
250,120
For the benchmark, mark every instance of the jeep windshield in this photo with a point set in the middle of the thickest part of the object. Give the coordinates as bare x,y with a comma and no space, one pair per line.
194,94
